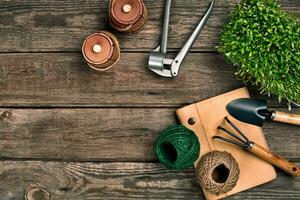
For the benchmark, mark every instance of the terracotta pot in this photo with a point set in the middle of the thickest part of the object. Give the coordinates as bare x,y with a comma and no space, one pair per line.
101,50
128,15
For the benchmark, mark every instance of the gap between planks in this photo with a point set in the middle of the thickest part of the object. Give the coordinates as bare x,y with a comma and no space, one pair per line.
113,181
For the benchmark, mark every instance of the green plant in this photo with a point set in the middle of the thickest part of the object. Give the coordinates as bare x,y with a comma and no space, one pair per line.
264,42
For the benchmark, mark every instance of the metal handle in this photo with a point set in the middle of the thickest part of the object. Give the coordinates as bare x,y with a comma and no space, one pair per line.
165,30
185,49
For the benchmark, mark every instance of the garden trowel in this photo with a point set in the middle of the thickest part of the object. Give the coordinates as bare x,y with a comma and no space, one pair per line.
254,111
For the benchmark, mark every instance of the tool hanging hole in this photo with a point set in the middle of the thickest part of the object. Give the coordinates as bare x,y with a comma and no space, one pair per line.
220,174
126,8
192,121
176,61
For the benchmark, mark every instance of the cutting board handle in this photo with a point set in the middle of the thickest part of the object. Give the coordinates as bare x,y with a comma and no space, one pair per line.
274,159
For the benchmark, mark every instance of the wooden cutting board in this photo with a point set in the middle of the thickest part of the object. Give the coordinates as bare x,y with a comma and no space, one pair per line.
209,114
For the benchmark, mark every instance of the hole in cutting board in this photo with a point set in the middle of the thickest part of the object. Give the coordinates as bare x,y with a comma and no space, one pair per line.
294,169
169,151
220,174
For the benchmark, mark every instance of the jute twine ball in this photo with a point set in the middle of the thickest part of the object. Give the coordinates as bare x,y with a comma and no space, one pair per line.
177,147
217,172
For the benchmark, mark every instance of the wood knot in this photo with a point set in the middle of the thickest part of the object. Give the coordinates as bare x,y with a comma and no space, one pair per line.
37,194
6,114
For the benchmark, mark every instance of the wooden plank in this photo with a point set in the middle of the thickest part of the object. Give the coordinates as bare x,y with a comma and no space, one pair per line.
41,25
63,79
88,181
104,134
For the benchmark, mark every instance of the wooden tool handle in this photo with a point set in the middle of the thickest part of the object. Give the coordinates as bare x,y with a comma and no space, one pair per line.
274,159
287,118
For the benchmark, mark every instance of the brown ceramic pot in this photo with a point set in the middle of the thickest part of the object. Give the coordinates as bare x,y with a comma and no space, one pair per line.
101,50
128,15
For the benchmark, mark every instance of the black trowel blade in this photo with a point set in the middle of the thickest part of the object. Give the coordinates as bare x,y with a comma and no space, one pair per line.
247,110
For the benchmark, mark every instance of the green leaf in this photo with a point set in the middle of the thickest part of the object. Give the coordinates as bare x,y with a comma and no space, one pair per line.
265,43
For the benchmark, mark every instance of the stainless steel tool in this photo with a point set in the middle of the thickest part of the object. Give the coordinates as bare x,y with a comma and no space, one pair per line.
158,62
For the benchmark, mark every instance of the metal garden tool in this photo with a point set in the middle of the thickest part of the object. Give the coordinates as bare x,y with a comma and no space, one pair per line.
254,111
257,150
158,62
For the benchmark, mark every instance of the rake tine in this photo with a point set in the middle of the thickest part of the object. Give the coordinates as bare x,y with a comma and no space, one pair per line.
231,134
228,140
237,130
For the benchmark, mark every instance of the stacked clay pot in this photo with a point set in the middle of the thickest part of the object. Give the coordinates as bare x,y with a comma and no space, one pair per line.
101,50
128,15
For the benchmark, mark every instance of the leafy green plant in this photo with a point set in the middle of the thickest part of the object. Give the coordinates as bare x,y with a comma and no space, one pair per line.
264,42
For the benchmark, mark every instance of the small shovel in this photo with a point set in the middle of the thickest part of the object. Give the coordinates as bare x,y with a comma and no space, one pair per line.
254,111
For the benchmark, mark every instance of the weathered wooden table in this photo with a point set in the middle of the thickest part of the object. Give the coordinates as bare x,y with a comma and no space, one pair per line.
79,134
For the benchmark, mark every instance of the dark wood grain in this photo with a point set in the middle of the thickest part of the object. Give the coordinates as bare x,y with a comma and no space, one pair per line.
56,25
79,134
77,181
64,79
104,134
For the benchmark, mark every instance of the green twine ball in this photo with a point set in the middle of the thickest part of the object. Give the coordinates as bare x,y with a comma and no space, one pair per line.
177,147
